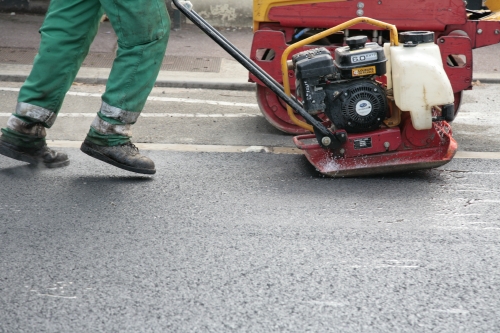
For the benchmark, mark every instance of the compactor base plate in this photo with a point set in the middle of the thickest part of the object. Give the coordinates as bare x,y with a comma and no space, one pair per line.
403,159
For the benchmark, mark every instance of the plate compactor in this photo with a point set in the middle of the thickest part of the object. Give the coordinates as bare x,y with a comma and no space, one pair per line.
363,98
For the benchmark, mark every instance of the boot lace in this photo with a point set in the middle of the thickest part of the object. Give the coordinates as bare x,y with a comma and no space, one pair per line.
131,146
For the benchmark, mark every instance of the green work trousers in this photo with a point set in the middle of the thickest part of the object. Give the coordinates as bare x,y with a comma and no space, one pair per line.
142,27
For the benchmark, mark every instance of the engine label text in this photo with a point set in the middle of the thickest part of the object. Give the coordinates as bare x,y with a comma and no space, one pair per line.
364,57
364,71
362,143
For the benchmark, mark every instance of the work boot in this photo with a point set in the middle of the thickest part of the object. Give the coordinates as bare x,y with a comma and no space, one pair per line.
35,156
124,156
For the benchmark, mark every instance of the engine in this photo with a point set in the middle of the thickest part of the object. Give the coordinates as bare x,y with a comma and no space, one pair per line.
345,88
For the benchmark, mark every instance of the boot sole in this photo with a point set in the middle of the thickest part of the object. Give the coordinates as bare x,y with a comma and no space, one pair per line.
101,157
20,156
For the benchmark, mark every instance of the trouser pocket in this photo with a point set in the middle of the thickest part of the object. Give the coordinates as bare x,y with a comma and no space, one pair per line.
137,22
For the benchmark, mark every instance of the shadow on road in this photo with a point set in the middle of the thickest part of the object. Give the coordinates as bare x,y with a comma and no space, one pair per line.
21,171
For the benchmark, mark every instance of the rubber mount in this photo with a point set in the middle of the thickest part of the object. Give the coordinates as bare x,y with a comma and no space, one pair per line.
416,37
95,154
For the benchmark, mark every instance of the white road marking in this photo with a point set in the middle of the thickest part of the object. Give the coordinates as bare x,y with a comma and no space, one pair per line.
200,115
241,149
481,155
192,148
160,99
161,115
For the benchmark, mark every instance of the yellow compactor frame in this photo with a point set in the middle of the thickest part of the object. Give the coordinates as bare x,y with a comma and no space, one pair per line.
261,8
284,66
494,6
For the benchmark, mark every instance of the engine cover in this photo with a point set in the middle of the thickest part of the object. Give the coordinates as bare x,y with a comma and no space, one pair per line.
311,67
356,106
360,59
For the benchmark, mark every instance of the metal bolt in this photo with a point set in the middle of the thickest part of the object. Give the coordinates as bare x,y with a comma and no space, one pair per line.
345,94
441,40
342,151
479,31
375,89
380,2
361,5
360,12
326,141
497,32
387,145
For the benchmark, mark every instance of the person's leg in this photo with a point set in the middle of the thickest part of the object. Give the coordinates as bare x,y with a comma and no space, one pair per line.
143,28
66,34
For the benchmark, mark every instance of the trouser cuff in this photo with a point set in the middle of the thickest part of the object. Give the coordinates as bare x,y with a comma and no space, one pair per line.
31,129
36,113
112,126
21,140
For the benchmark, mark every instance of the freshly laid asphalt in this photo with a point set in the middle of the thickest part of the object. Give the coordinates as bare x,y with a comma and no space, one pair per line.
220,242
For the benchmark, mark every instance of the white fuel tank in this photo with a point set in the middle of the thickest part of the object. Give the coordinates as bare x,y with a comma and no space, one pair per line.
418,77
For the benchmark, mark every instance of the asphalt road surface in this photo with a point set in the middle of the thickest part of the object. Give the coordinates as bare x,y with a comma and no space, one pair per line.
246,242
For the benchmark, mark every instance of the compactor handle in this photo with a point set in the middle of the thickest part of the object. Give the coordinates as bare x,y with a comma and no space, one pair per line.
328,139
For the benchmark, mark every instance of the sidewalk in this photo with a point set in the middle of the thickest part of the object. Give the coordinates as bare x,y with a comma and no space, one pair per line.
193,60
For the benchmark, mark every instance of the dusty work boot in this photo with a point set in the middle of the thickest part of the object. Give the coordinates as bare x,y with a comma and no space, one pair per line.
35,156
124,156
